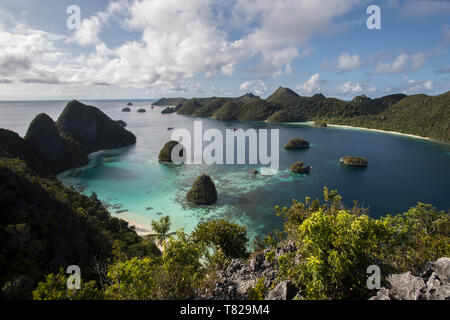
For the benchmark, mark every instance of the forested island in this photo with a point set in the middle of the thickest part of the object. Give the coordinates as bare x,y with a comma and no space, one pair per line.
419,114
322,251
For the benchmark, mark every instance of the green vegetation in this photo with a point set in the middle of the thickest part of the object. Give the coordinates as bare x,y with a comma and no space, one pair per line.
189,107
209,108
259,291
319,124
228,111
168,110
296,143
169,102
257,110
161,228
55,288
336,245
45,226
418,114
91,128
228,240
354,161
203,191
298,167
165,154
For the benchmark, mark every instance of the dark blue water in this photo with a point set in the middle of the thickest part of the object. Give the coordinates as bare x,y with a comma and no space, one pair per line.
402,170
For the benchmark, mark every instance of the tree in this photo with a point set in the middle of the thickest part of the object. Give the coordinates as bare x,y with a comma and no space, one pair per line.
227,239
161,228
54,287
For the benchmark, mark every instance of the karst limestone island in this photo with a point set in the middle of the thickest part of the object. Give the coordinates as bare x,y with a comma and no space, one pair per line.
418,114
51,147
45,226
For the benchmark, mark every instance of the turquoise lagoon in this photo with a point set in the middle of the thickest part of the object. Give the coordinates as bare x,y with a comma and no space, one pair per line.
134,185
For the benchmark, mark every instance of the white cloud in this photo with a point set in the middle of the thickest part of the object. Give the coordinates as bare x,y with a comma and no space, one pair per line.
87,33
347,62
27,53
419,85
257,87
402,63
349,87
312,85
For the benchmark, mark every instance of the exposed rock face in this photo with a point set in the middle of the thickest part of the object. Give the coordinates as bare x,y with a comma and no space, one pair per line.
165,154
93,129
285,290
432,284
168,110
354,161
203,191
234,281
298,167
297,143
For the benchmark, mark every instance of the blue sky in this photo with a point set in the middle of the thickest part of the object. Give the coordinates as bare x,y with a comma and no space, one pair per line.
153,48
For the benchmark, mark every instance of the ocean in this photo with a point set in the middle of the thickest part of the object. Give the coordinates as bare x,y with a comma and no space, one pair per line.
133,185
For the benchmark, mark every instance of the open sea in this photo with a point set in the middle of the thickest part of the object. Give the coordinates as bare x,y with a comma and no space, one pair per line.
134,185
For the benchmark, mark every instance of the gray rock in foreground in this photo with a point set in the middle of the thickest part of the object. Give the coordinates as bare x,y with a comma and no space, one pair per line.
285,290
234,281
432,284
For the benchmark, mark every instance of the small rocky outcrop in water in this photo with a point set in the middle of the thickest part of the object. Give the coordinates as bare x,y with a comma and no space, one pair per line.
432,284
297,143
141,110
93,129
126,109
354,161
203,191
129,104
298,167
165,154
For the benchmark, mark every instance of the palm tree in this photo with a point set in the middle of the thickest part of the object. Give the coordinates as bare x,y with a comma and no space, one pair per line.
161,228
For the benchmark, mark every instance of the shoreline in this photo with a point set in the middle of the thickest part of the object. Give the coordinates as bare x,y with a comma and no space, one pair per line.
310,123
140,229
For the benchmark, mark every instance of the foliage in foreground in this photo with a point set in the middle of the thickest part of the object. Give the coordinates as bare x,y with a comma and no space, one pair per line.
335,245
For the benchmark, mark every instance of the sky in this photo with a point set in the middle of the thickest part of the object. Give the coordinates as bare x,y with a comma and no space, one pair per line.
144,49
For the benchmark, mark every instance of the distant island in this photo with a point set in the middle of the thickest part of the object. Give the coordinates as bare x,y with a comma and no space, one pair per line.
46,226
419,114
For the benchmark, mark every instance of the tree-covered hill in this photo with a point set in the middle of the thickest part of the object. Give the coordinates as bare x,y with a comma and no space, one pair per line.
50,147
422,115
45,226
418,114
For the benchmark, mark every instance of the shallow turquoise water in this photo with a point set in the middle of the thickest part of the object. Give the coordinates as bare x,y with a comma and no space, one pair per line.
401,172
